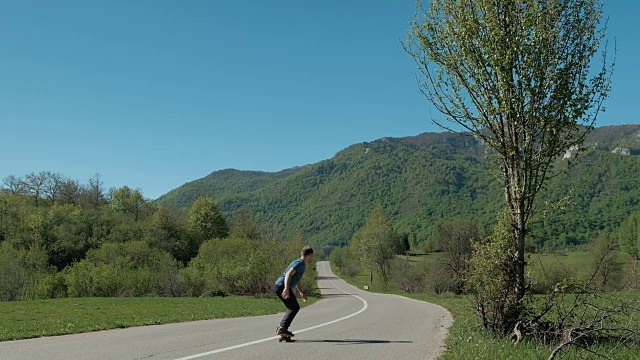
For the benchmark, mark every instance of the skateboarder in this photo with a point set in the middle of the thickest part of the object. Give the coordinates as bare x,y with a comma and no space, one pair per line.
284,289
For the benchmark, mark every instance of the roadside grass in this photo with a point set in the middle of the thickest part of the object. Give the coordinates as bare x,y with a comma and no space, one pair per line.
35,318
468,340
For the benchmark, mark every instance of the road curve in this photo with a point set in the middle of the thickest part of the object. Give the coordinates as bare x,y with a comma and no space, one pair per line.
347,323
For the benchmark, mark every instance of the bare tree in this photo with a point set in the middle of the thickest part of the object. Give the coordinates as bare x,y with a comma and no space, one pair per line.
95,191
15,185
70,191
34,184
518,75
52,185
455,238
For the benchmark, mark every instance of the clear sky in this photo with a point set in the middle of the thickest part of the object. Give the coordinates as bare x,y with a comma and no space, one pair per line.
154,94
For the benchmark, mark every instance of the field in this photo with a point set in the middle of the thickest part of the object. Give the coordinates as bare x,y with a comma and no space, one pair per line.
573,263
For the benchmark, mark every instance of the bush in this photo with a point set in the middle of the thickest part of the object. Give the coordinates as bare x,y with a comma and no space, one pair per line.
193,279
207,272
441,279
124,269
51,286
21,271
408,277
238,266
346,263
13,275
454,239
606,266
632,275
491,278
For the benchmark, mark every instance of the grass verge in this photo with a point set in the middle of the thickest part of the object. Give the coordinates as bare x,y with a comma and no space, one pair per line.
28,319
468,340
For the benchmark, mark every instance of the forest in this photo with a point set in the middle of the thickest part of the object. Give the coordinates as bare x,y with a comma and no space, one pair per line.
60,238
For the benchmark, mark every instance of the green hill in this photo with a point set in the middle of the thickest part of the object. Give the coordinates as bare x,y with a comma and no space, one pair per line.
423,180
228,182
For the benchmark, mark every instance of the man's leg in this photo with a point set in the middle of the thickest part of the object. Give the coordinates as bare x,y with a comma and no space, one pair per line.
292,310
292,307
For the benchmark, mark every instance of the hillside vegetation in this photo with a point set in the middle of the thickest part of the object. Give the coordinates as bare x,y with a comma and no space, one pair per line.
423,180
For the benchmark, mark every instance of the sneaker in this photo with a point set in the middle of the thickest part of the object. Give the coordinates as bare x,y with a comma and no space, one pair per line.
283,331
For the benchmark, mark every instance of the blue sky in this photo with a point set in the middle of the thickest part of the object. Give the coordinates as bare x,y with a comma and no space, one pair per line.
154,94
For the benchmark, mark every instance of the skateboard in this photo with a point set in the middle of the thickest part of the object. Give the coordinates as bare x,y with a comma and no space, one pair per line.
285,338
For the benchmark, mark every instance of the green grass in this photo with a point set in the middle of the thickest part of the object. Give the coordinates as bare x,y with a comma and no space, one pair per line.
577,264
468,340
28,319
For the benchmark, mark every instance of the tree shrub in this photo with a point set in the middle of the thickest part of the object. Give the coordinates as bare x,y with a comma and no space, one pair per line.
51,286
345,261
492,277
124,269
409,277
21,270
238,266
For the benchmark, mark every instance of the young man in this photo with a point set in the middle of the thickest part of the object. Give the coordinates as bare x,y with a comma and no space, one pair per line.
284,289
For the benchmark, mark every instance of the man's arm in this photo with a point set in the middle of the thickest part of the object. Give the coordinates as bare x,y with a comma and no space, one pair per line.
287,281
299,287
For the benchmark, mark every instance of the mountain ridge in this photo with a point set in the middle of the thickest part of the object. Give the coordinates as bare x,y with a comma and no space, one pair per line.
421,180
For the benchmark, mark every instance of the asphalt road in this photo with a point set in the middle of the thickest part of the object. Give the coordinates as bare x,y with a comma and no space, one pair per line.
347,323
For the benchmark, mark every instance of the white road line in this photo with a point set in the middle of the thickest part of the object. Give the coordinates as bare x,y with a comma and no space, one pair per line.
364,307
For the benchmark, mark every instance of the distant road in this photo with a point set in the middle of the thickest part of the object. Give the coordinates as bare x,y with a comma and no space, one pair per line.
347,323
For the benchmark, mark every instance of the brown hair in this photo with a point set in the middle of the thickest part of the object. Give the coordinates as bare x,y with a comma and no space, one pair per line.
307,250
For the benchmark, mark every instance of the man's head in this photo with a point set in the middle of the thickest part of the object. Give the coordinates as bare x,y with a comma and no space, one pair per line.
307,254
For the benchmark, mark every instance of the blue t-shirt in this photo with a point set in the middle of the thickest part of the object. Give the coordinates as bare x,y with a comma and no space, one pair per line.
300,267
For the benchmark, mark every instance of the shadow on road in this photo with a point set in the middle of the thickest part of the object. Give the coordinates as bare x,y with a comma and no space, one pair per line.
327,277
333,295
358,341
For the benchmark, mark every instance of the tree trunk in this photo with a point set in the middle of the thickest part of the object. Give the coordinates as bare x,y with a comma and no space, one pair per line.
516,202
520,285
